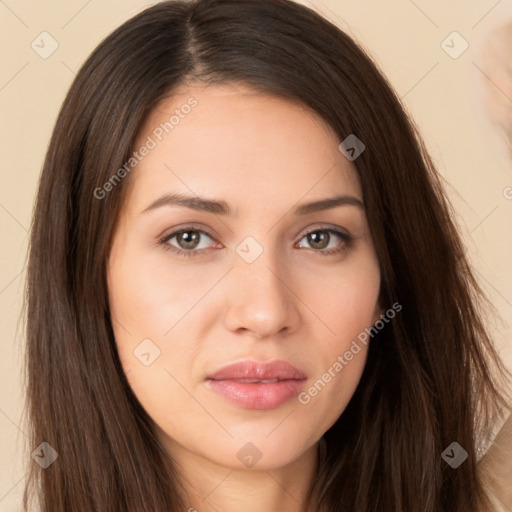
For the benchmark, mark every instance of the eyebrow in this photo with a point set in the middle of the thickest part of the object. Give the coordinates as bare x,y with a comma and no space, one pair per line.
222,207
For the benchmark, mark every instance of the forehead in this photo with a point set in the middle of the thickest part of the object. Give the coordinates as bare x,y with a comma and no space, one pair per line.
233,142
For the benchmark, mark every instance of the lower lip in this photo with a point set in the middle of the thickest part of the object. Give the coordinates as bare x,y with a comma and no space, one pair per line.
257,395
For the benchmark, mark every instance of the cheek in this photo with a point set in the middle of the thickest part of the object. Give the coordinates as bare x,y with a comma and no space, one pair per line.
145,305
340,359
346,300
148,297
328,394
347,305
151,303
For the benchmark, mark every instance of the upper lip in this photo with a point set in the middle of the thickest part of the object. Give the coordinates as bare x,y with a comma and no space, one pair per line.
255,370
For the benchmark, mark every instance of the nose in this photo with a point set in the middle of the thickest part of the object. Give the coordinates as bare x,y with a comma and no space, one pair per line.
261,299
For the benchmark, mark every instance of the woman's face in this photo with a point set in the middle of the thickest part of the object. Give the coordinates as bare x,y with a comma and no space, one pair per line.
268,280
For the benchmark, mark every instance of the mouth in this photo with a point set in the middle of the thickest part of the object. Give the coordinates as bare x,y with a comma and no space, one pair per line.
256,381
254,385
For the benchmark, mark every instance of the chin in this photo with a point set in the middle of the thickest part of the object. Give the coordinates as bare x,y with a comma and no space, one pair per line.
262,454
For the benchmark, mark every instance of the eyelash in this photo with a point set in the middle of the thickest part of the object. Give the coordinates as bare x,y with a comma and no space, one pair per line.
194,252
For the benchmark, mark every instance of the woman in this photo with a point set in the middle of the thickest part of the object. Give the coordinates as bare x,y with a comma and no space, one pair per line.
255,297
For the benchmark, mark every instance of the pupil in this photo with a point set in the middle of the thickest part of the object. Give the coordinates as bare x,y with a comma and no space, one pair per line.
318,237
187,240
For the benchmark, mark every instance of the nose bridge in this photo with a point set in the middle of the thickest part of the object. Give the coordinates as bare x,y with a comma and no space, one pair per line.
260,296
260,267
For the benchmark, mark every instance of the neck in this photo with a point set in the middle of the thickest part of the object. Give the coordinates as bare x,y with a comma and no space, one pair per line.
214,488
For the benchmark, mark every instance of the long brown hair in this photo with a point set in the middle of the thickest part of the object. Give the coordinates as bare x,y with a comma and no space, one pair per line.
432,374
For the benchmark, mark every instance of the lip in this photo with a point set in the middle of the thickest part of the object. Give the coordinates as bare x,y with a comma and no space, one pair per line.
257,385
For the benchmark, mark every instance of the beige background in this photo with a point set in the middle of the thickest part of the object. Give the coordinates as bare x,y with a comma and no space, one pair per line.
442,93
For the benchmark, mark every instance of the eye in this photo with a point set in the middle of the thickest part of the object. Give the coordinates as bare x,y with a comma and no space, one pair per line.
188,241
321,237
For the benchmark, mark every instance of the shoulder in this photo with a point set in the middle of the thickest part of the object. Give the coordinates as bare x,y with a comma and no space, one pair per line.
495,468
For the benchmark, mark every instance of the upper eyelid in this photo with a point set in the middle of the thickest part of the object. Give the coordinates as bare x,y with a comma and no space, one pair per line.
177,231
